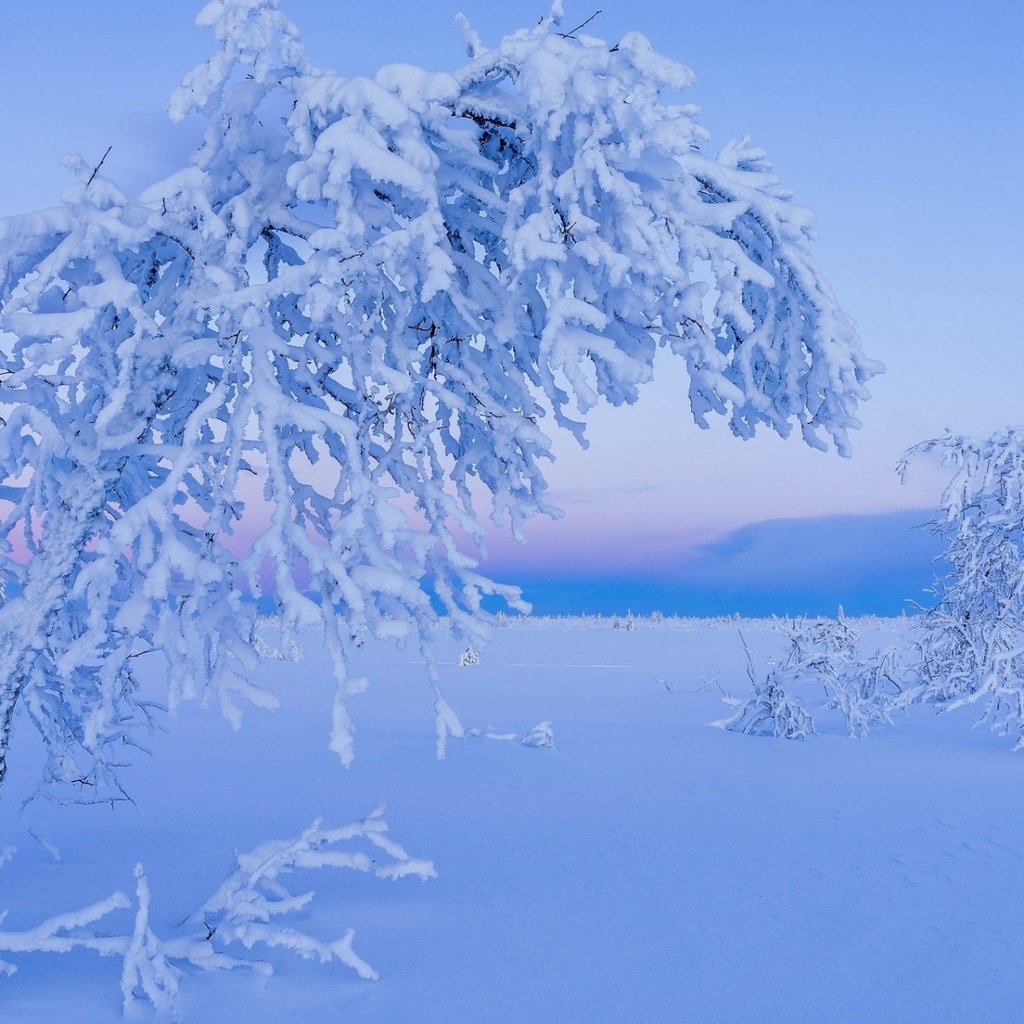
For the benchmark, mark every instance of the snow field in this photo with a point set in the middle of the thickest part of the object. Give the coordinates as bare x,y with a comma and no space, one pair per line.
646,868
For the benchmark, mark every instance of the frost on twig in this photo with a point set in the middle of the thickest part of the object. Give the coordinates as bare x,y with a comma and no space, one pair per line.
446,723
243,912
65,932
287,647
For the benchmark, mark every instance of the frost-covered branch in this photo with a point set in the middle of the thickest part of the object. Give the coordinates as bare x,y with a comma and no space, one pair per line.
243,912
303,367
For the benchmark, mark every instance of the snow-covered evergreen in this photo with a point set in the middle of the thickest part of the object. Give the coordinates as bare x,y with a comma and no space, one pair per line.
344,326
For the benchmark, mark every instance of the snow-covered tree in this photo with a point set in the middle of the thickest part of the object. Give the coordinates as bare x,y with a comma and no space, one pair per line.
971,642
357,308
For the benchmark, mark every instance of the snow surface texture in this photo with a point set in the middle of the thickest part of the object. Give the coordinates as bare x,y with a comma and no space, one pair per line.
646,869
351,316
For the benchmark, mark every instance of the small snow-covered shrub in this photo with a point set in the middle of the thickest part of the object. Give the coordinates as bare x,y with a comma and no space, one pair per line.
824,652
469,657
541,735
770,710
822,647
866,693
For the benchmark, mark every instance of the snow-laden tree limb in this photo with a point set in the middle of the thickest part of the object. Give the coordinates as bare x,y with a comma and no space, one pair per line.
341,327
242,913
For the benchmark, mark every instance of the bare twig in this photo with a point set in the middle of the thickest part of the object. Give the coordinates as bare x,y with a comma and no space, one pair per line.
582,24
95,170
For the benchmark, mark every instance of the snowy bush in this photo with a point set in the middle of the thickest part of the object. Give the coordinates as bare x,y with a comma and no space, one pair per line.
867,692
541,735
360,297
970,644
822,645
823,652
242,913
769,710
469,657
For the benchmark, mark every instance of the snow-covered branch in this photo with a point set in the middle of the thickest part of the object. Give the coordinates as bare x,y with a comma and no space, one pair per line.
243,912
296,368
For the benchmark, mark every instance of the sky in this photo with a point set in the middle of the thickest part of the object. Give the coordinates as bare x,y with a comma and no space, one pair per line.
898,124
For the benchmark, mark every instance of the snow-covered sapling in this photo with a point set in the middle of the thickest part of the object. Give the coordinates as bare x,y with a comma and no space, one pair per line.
867,692
360,307
970,644
824,652
771,709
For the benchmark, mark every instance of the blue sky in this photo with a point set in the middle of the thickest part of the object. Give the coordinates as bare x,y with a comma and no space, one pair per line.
898,124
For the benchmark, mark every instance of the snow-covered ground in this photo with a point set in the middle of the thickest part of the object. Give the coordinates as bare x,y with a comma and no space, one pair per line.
646,868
